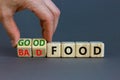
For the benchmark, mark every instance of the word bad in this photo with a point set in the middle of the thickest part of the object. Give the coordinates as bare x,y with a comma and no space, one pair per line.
40,48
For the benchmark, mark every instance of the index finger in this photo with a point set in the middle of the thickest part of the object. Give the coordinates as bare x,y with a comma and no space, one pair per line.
46,18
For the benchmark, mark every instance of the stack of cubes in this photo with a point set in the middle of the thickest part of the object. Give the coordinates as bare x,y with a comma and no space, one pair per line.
40,48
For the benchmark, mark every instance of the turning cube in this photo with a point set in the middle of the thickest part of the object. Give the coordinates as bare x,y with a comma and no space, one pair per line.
24,47
68,49
97,49
82,49
54,49
39,47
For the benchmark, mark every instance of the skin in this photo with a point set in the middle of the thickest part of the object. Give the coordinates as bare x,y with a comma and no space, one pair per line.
45,10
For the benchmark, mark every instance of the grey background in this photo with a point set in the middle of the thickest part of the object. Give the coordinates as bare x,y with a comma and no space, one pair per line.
81,20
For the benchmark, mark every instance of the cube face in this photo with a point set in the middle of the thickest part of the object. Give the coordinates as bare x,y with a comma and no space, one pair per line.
68,49
54,49
82,49
24,47
97,49
39,47
39,52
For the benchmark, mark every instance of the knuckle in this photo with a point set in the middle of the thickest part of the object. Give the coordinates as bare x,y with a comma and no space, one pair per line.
5,15
57,13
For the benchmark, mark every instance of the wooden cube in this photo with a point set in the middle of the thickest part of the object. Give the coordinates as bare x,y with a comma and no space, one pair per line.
39,47
68,49
54,49
24,47
97,49
82,49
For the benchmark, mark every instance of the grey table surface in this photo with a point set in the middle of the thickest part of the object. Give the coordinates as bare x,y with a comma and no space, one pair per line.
81,20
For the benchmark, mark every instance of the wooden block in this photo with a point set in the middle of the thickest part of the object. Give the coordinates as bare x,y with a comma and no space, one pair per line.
68,49
39,47
82,49
24,47
54,49
97,49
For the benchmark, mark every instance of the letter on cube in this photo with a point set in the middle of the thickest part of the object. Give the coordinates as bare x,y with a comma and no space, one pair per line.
82,49
68,49
24,47
39,47
97,49
54,49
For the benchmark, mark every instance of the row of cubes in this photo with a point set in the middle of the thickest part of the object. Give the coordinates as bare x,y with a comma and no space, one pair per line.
27,47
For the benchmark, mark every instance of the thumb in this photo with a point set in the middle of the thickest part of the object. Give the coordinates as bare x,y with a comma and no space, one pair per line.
11,28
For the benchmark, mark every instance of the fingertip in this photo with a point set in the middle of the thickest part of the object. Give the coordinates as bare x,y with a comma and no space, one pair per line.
15,38
48,39
47,36
14,43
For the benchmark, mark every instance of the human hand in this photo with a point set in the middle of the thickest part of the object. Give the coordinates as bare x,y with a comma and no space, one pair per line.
45,10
